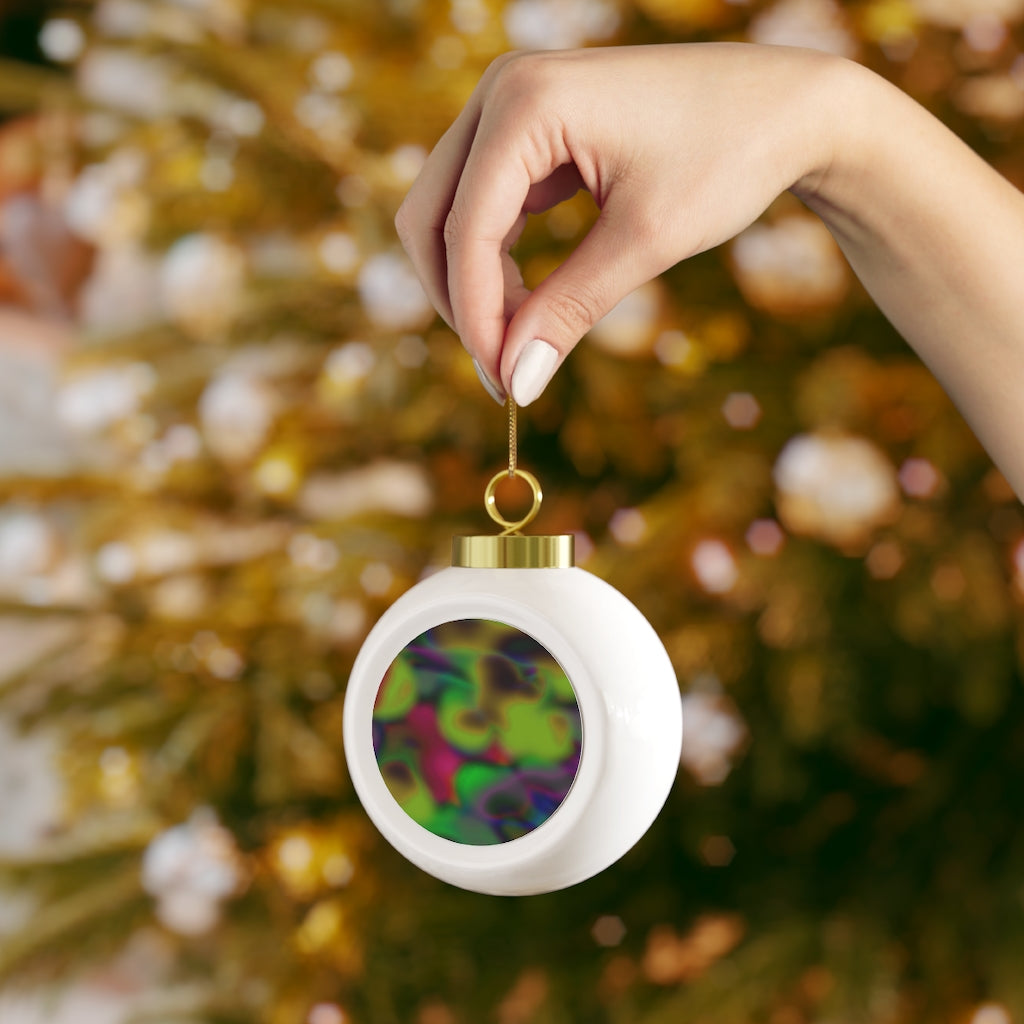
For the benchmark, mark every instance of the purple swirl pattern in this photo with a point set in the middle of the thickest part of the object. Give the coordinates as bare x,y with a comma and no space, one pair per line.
477,732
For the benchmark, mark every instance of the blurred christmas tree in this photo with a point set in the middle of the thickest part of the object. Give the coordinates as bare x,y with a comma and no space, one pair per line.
267,436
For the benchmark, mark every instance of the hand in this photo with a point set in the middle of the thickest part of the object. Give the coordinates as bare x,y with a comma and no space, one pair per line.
681,147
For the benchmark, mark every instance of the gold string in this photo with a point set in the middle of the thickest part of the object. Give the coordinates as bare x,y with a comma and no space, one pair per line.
513,440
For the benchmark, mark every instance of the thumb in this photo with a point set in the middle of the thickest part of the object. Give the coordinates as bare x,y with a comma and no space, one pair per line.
607,265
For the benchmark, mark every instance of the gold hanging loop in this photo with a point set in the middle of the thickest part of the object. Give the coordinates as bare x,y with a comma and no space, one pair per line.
491,502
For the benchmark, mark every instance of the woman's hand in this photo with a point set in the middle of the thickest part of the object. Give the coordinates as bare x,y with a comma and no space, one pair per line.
680,146
684,146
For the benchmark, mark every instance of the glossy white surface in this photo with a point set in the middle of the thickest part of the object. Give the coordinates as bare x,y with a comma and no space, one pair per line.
629,701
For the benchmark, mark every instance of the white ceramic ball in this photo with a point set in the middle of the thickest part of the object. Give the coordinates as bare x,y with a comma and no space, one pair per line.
629,703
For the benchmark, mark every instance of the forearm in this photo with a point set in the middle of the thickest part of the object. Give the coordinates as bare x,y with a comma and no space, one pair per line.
937,238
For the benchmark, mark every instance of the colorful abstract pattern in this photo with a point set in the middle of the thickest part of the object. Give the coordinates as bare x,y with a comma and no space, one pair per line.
477,732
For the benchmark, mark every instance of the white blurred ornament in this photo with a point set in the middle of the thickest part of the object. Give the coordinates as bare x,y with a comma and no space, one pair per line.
31,793
559,24
236,412
122,293
135,83
714,566
202,281
959,13
29,545
715,733
331,71
106,204
392,295
96,399
190,870
389,487
202,278
793,266
62,40
837,488
629,327
814,24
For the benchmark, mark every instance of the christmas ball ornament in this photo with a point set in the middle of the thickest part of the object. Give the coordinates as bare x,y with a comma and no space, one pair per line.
512,723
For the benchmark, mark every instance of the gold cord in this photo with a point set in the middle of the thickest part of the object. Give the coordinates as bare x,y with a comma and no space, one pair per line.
513,440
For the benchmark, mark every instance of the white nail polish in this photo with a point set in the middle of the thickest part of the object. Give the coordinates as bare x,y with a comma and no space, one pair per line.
489,386
534,369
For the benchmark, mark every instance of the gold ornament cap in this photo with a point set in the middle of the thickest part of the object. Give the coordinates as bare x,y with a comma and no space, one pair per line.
510,549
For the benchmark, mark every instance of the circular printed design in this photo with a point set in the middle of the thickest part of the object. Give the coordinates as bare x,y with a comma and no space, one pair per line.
477,732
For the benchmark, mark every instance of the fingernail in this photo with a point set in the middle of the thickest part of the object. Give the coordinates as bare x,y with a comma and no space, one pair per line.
534,369
489,386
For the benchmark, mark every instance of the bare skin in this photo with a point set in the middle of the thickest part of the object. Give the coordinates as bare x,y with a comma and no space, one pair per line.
682,147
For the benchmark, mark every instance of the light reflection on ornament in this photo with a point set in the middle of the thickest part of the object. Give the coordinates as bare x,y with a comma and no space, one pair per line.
353,191
326,1013
308,551
714,566
628,526
741,410
339,252
884,560
347,622
406,161
920,479
376,579
678,352
448,52
608,931
991,1013
985,32
411,351
470,17
948,582
241,117
179,598
278,474
350,363
119,777
717,851
765,537
334,120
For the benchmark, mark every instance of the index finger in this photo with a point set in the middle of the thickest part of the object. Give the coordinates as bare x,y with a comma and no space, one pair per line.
504,163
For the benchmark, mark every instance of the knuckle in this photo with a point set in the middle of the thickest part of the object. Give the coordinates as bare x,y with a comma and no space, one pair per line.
577,311
404,226
454,228
521,82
